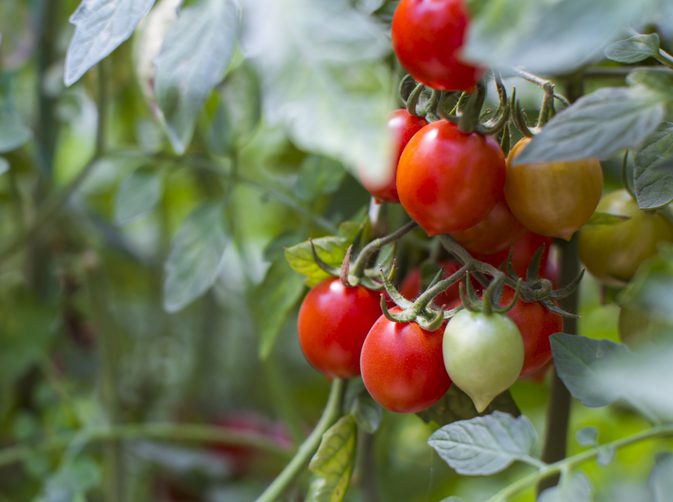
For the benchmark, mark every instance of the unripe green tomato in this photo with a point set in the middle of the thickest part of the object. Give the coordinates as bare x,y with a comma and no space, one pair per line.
483,354
637,326
613,252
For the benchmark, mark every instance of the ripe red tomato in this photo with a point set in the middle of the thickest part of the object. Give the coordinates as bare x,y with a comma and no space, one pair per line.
427,38
448,180
498,231
553,198
522,253
333,323
536,325
402,126
402,366
411,285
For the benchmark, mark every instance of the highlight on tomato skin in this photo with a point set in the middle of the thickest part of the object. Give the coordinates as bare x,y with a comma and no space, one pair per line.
333,322
402,125
428,36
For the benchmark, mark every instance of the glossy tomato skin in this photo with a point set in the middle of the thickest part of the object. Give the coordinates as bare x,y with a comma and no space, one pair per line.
448,180
411,285
495,233
553,198
536,325
427,38
523,251
402,366
333,323
402,126
613,252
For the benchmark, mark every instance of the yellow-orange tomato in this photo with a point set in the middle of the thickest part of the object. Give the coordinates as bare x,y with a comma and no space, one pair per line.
553,198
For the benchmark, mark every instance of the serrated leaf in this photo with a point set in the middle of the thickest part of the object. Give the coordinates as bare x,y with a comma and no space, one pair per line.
513,33
13,133
575,487
137,195
599,218
456,405
196,256
335,97
272,302
597,125
653,169
100,27
333,462
660,480
634,49
485,445
575,359
331,250
367,413
193,58
587,436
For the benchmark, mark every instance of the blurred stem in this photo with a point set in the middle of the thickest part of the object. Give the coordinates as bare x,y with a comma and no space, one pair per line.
152,431
281,394
298,463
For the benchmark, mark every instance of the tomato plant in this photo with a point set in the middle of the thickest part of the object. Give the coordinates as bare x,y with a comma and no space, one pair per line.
553,198
402,366
411,286
448,180
613,252
522,251
428,37
333,322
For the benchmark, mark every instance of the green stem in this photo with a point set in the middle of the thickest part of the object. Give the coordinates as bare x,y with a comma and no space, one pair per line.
665,58
556,468
298,463
371,248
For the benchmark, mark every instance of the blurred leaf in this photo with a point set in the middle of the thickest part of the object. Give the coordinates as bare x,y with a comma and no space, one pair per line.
660,481
196,256
575,358
272,302
514,33
193,58
137,195
597,125
331,250
367,413
605,455
323,77
485,445
575,486
4,165
587,436
333,462
650,288
653,169
13,133
318,175
599,218
634,49
100,27
456,405
72,481
657,80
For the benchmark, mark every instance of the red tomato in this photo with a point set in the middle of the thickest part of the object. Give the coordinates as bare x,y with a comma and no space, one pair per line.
536,325
498,231
522,253
411,285
402,366
427,38
402,125
448,180
333,323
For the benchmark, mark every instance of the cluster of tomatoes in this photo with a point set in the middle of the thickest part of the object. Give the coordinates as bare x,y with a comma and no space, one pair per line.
461,183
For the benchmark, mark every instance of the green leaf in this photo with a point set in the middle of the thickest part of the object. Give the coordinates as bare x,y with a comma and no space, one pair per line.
193,58
599,218
658,80
137,195
660,480
324,77
456,405
333,462
72,481
4,165
513,33
367,413
100,27
575,486
653,169
575,359
196,256
318,175
634,49
13,133
331,250
485,445
606,455
272,302
587,436
597,125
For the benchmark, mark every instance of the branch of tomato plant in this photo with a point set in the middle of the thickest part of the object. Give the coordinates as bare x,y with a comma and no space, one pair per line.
303,455
198,433
556,468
